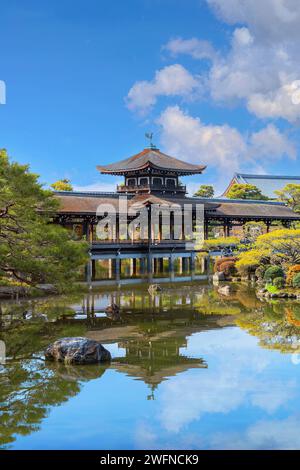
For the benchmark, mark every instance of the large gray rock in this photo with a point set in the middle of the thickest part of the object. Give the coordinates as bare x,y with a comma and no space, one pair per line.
77,351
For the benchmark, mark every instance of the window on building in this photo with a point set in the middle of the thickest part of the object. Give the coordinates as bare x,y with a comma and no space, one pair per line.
131,182
144,181
157,182
171,183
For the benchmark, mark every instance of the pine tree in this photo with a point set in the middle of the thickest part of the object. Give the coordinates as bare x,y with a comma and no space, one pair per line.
33,250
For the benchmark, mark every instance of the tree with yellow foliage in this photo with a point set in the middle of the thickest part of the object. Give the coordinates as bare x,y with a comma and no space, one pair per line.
280,247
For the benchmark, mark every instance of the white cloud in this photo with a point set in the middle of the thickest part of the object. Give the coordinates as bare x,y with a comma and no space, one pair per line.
196,142
223,388
266,434
277,103
197,48
261,67
222,147
269,19
270,143
173,80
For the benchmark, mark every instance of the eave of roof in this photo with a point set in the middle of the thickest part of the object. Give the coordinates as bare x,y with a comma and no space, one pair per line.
86,203
151,158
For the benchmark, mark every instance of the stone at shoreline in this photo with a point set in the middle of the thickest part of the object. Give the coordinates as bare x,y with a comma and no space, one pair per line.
154,288
225,290
113,310
219,276
77,350
277,295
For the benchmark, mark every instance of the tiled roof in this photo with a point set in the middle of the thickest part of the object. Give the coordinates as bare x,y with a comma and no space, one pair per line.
153,158
228,209
72,203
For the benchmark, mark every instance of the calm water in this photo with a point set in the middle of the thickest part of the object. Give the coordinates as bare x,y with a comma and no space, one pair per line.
191,369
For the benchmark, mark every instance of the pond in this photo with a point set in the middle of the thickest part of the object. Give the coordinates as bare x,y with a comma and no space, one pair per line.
191,369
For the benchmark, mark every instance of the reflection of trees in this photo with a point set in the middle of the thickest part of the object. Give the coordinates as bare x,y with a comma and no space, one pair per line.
29,388
277,325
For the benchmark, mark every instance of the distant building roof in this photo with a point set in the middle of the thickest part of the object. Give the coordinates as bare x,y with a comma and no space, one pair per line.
266,183
154,158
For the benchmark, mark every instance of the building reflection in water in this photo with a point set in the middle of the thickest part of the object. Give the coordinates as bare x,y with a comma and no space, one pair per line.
152,333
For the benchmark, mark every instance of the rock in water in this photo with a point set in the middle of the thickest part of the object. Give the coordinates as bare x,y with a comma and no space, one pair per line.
225,290
113,310
219,276
77,351
154,288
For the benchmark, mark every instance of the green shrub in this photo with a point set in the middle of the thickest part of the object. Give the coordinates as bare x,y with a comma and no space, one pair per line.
272,272
278,282
272,289
296,280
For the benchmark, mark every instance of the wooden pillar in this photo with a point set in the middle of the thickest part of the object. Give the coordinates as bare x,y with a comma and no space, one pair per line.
206,229
172,225
87,230
149,225
161,264
205,265
117,234
268,224
226,228
185,265
160,234
142,266
93,269
112,268
118,269
133,266
88,272
192,262
149,264
171,267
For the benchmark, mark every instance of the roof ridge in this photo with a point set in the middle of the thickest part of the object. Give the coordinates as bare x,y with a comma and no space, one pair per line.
250,175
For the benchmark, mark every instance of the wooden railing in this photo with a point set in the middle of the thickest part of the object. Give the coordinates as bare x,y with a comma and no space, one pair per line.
150,187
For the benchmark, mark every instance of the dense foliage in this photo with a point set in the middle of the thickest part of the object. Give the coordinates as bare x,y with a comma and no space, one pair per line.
280,247
296,280
290,194
32,249
220,243
205,190
62,185
245,191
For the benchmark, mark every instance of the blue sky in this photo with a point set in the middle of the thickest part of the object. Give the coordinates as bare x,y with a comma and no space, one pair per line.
216,80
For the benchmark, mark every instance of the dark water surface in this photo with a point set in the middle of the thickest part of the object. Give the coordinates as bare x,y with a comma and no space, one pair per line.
191,369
